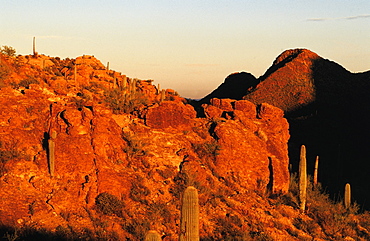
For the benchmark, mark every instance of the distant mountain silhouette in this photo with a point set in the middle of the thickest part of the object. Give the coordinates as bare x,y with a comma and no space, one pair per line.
234,87
328,110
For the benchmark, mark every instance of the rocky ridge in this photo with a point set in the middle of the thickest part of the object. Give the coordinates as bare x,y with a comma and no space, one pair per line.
123,139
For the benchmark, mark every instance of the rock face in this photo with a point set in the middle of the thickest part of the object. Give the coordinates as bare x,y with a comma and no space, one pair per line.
327,110
246,138
170,114
123,155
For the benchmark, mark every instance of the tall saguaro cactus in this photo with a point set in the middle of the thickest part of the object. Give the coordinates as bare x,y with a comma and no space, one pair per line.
152,235
302,179
51,154
34,47
315,173
163,95
75,72
347,196
189,215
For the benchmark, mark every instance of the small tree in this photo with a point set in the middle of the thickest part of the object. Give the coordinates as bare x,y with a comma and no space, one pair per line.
7,50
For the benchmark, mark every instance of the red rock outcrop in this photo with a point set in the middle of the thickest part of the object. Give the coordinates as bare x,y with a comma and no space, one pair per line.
253,143
170,114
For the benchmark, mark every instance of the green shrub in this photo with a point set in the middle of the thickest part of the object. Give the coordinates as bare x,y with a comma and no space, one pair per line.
211,148
7,50
81,100
4,73
109,204
25,83
122,102
135,146
335,221
137,227
159,210
8,151
139,192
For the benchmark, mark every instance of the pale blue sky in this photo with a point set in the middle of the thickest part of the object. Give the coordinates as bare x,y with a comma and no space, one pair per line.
188,45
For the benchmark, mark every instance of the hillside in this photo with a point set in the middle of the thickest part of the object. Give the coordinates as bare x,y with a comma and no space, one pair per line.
327,110
90,154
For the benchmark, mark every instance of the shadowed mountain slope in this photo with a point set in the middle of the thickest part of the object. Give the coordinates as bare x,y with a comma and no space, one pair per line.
328,110
234,87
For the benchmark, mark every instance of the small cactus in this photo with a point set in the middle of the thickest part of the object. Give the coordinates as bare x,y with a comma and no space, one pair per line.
347,196
189,226
51,154
302,179
152,235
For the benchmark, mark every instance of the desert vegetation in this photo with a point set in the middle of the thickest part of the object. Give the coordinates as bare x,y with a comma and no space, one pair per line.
8,51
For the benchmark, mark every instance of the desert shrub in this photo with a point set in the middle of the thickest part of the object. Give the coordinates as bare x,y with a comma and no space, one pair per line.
229,228
27,82
81,100
121,101
8,151
4,73
232,228
31,233
137,227
332,217
211,148
109,204
307,225
7,50
187,177
139,192
159,210
135,146
94,87
167,172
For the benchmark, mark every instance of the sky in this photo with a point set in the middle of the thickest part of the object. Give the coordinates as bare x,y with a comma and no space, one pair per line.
190,46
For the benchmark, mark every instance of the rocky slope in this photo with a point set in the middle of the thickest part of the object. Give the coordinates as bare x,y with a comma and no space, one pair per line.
89,154
121,142
327,109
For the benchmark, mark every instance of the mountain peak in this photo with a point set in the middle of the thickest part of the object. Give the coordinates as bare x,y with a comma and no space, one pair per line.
290,54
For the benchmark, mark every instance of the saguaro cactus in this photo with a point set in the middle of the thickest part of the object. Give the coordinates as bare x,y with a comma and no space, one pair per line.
34,47
315,173
163,95
152,235
51,154
347,196
302,179
189,215
75,72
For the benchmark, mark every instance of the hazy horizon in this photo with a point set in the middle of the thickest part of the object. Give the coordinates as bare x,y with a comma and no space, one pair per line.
189,46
